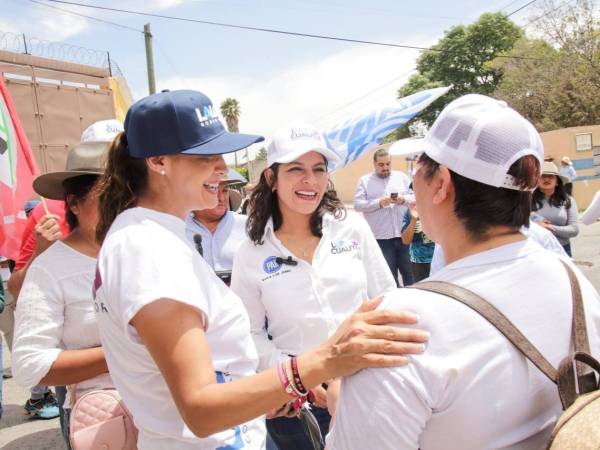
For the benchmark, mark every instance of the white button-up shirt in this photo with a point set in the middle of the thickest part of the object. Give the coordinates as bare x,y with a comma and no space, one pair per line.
219,248
386,223
305,303
569,172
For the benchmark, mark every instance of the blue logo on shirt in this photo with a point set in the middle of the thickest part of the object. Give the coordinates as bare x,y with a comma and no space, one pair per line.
271,265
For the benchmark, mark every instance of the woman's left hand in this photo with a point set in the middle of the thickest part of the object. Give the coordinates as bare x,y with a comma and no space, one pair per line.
320,394
286,410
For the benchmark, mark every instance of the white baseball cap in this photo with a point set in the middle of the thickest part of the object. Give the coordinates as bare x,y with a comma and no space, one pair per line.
102,131
479,138
294,140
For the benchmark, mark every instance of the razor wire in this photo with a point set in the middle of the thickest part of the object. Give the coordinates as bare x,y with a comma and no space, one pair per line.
20,43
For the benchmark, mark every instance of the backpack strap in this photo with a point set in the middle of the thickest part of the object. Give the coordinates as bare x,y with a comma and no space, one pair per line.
493,316
579,327
573,376
576,372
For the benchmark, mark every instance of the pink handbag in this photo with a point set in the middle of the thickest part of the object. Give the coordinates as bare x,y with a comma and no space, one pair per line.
100,421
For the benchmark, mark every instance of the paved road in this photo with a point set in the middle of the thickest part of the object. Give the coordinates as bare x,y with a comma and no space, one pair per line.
20,433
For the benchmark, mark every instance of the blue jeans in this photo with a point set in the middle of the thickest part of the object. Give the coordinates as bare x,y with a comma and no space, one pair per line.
567,248
397,256
61,393
288,434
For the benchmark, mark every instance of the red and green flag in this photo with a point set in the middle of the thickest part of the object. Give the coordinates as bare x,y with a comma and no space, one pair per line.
17,171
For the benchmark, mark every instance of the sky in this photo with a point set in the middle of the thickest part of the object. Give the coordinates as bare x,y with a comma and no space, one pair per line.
276,78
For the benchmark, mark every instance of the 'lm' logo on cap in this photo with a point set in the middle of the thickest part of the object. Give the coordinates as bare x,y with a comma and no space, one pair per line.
207,116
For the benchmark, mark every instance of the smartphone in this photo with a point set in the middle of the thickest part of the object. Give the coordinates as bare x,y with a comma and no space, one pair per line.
394,195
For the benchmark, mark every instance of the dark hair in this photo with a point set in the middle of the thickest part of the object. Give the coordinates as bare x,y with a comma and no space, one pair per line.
76,189
558,198
125,178
480,206
380,152
264,205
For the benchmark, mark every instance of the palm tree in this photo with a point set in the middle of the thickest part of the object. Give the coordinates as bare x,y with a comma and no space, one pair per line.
230,110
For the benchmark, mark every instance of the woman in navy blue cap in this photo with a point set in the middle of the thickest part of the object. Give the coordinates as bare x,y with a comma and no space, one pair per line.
177,340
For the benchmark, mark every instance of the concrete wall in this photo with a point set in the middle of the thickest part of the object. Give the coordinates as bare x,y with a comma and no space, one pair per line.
557,143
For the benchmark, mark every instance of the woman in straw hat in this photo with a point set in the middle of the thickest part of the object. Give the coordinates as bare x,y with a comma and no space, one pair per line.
56,338
553,208
568,171
177,340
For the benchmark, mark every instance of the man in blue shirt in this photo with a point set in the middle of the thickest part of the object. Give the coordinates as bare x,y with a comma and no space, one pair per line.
218,232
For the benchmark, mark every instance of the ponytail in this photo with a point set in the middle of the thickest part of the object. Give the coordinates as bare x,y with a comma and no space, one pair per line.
125,178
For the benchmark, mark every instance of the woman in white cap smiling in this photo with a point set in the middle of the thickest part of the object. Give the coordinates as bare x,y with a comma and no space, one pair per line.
177,340
307,265
472,389
553,208
56,338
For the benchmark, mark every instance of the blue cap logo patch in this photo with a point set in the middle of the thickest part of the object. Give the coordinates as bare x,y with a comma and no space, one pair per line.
271,265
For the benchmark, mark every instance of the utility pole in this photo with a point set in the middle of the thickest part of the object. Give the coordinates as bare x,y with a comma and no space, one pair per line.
149,59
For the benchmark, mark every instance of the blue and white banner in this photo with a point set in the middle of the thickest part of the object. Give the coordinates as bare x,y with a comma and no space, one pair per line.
350,139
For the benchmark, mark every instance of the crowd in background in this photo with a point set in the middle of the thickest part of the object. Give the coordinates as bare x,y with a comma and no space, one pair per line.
123,284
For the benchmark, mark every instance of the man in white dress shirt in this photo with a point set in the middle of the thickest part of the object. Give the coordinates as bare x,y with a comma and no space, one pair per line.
380,197
567,170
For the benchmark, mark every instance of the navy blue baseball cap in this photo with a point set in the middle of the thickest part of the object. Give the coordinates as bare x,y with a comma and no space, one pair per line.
182,121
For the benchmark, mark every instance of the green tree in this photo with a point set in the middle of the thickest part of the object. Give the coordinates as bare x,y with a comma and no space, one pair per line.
230,110
461,59
529,78
243,171
262,154
552,80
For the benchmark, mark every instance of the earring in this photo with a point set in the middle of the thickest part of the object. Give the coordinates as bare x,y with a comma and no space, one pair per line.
162,172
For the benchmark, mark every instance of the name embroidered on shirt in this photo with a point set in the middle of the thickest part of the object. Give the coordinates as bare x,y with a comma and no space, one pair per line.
341,246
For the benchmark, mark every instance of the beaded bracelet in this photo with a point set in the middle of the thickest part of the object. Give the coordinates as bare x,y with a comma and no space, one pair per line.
284,380
288,367
296,376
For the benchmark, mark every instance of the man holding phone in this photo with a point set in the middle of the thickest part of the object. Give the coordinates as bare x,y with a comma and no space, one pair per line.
380,197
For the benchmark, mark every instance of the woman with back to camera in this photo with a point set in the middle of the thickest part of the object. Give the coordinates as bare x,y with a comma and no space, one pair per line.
553,208
472,389
307,264
177,340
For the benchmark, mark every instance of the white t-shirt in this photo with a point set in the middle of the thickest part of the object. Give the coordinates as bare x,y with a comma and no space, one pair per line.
55,312
306,303
146,256
471,389
592,213
537,233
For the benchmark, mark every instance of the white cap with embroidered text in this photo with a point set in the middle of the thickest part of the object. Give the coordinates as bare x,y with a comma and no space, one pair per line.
102,131
479,138
294,140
